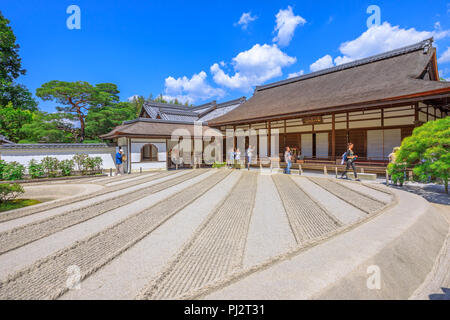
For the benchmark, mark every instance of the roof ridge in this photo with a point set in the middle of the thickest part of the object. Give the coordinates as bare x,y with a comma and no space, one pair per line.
381,56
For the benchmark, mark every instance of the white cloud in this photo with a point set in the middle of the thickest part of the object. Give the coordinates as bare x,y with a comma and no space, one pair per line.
341,60
384,38
296,74
253,67
286,23
322,63
245,19
130,99
192,90
378,39
445,57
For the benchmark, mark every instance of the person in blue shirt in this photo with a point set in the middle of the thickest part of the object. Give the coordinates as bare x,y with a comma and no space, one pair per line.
119,162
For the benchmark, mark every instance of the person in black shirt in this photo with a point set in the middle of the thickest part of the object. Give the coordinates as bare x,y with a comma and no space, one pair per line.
350,159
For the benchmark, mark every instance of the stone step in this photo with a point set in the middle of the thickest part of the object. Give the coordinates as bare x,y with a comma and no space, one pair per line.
363,176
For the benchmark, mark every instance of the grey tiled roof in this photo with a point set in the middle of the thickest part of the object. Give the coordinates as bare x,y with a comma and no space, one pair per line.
174,112
4,140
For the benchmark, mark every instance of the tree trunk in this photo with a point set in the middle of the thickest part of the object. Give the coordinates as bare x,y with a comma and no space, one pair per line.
446,185
81,128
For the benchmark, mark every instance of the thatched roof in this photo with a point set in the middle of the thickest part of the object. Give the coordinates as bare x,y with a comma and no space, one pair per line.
391,76
143,127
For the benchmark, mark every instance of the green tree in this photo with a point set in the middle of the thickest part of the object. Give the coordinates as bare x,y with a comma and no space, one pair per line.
11,121
102,121
49,128
78,97
11,69
427,151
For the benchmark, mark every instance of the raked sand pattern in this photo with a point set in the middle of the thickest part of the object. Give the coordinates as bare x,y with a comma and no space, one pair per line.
22,235
219,245
45,206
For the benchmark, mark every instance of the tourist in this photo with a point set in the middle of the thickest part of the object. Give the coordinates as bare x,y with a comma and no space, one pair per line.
249,156
288,160
119,162
350,158
237,159
231,158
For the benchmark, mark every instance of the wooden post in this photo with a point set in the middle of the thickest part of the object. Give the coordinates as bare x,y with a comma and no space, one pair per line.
300,169
325,172
387,178
333,138
140,170
336,171
110,172
269,140
176,166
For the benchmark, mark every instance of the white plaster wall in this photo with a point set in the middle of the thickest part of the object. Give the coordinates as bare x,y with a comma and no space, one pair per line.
375,144
307,145
322,144
25,156
136,146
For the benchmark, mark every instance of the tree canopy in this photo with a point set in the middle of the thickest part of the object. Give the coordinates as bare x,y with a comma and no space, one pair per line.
427,151
78,98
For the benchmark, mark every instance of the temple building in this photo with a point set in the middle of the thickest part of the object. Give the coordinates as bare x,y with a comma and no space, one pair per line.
374,102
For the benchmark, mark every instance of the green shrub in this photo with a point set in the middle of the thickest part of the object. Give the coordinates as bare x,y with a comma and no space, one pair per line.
66,167
13,171
92,163
50,166
2,165
80,162
35,169
427,152
10,191
219,164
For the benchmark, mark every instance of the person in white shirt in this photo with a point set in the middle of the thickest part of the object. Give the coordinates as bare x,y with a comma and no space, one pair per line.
249,156
237,158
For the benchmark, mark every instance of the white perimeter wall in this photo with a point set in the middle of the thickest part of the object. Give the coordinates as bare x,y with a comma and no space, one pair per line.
23,156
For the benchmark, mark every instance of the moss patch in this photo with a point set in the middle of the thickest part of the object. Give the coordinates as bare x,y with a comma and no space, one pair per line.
17,203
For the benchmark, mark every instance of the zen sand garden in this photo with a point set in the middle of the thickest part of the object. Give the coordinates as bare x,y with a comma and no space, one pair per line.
222,234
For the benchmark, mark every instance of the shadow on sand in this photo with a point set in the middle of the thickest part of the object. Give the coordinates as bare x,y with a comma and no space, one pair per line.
431,192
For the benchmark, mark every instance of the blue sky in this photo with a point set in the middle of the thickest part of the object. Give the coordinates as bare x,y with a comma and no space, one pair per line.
198,50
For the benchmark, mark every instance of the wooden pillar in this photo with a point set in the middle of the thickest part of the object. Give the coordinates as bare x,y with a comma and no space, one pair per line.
348,127
333,137
129,155
269,140
382,131
416,114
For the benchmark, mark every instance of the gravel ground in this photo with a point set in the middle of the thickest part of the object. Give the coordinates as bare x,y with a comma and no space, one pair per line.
370,191
14,214
171,235
216,249
22,235
357,199
342,211
307,218
46,279
149,256
129,179
22,257
269,233
35,214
